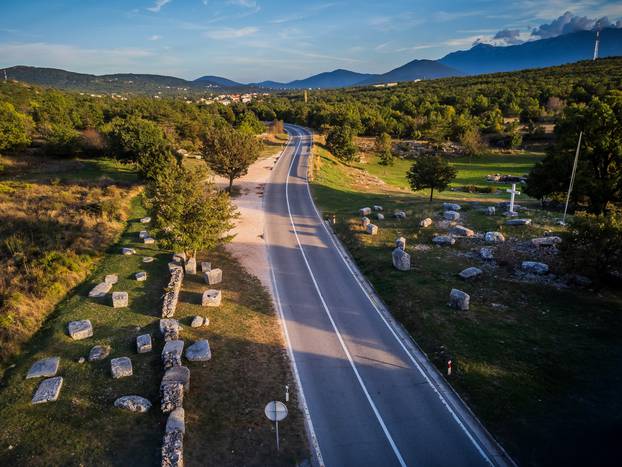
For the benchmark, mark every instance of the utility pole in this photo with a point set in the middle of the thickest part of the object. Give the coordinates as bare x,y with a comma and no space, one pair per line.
596,45
306,96
574,171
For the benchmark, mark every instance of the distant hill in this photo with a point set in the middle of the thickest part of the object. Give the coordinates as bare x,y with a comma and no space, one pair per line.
331,79
568,48
217,81
417,69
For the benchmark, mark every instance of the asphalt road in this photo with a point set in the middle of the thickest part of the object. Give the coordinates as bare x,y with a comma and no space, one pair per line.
373,399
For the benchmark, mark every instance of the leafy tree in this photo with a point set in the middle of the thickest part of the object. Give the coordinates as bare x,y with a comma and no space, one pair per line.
230,152
61,139
599,171
471,142
431,171
339,142
13,127
192,215
249,123
382,147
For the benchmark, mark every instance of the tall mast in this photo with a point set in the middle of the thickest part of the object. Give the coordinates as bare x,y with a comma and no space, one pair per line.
596,45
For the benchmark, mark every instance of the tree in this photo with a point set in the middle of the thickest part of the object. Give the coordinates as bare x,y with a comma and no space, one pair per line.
431,171
599,171
229,152
382,147
13,127
339,142
191,214
471,142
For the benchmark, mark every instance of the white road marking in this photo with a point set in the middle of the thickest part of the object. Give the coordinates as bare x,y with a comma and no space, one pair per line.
330,317
410,356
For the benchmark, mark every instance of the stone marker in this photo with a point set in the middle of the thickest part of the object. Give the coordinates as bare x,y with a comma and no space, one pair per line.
127,251
494,237
136,404
365,212
171,353
44,368
399,215
99,352
214,276
427,222
535,267
470,273
451,207
143,343
461,231
171,396
372,229
100,290
490,211
518,221
145,220
211,297
170,329
142,234
79,330
148,259
149,240
178,374
141,276
401,260
191,266
459,299
121,367
380,216
378,208
173,449
199,351
451,215
176,421
400,242
111,279
197,322
444,240
486,253
546,241
48,390
120,299
365,221
206,266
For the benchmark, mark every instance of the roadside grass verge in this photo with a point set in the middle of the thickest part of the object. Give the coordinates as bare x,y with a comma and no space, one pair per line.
533,361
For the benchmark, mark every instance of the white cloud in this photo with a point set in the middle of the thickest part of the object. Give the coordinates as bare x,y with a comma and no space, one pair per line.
157,6
244,3
230,33
155,37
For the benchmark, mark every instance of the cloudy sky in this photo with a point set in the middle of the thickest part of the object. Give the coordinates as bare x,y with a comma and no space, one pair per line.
255,40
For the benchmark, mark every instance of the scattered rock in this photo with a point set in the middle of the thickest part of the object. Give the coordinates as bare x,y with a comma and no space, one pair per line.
143,343
148,259
213,276
145,220
149,240
199,351
121,367
451,215
141,276
99,352
206,322
173,449
111,279
470,273
120,299
534,267
510,214
79,330
546,241
136,404
178,374
191,266
399,215
170,329
494,237
518,221
444,240
171,353
365,212
176,421
461,231
142,234
451,207
211,297
128,251
206,266
372,229
172,265
46,367
486,253
81,360
378,208
365,221
171,396
380,216
100,290
490,211
400,242
459,299
197,322
401,260
48,390
427,222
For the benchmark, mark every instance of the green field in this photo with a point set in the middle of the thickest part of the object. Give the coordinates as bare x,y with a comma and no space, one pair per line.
534,362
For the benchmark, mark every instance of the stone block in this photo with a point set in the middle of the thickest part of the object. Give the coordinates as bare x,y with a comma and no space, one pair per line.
365,212
399,215
141,276
173,449
461,231
178,374
149,240
494,237
365,222
546,241
143,343
176,421
451,207
197,322
490,211
535,267
211,297
518,222
137,404
459,299
206,266
380,216
111,279
170,329
148,259
444,240
191,266
199,351
451,215
427,222
46,368
79,330
120,299
470,273
128,251
121,367
48,390
400,242
171,396
145,220
372,229
213,276
100,290
99,352
401,260
486,253
378,208
142,234
172,352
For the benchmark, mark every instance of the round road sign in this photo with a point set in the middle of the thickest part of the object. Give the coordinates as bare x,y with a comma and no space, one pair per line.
275,411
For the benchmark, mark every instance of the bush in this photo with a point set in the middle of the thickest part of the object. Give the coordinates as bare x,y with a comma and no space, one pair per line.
479,189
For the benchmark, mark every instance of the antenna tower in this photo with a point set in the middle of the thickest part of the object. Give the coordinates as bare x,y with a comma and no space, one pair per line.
596,45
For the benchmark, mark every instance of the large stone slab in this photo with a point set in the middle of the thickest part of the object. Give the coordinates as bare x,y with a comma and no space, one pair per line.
444,240
199,351
534,267
518,221
79,330
470,273
494,237
451,207
44,368
459,299
121,367
143,343
214,276
372,229
176,421
173,449
171,353
48,390
365,212
120,299
132,403
461,231
401,260
99,352
178,374
451,215
100,290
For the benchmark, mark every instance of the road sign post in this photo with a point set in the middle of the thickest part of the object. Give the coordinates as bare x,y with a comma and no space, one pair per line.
276,411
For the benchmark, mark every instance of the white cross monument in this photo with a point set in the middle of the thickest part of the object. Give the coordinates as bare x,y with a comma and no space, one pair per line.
513,192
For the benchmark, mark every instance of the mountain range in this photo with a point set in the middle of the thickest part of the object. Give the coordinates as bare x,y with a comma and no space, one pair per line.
479,59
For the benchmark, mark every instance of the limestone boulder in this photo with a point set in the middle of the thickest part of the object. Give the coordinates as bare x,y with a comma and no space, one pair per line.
197,322
120,299
178,374
401,260
365,212
172,352
518,222
121,367
490,211
399,214
461,231
141,276
191,266
459,299
176,421
213,276
143,343
212,298
170,328
444,240
99,352
149,240
142,234
111,279
79,330
145,220
365,221
451,216
380,216
171,396
494,237
45,368
148,259
100,290
378,208
206,266
546,241
470,273
48,390
451,207
372,229
199,351
535,267
427,222
173,449
132,403
128,251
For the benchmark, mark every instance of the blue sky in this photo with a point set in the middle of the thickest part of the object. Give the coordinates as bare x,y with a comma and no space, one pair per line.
254,40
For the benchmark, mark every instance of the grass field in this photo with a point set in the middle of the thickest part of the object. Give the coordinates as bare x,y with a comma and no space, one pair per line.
535,363
225,424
